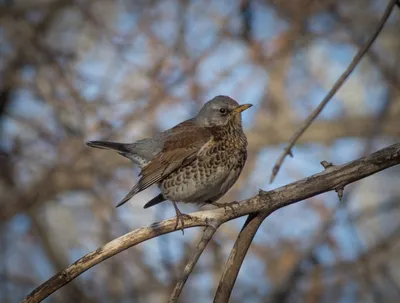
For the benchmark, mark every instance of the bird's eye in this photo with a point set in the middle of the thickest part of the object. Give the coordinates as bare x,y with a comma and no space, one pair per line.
223,111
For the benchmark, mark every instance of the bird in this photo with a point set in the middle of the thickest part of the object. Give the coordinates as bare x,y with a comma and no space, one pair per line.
196,161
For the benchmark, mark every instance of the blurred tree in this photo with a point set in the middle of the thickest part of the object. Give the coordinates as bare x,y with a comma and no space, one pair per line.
122,70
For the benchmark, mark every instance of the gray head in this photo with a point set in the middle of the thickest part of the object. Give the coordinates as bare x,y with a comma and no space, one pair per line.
219,111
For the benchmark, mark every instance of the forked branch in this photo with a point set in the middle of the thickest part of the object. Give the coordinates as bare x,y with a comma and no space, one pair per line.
357,58
267,202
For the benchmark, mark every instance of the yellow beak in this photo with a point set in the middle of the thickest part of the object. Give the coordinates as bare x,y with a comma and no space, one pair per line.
241,108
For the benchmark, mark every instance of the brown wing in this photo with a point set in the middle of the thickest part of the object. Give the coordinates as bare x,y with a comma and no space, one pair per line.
180,148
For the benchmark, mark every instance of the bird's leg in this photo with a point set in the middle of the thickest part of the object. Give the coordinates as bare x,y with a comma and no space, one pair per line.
180,217
225,205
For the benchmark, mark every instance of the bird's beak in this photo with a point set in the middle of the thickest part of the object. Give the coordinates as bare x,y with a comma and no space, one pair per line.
241,108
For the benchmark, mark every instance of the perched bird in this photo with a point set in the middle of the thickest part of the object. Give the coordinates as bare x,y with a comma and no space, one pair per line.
196,161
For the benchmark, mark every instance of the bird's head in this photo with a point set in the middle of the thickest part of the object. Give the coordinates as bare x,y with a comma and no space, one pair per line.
219,111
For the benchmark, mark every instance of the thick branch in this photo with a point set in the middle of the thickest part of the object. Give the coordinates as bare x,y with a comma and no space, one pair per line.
330,179
240,248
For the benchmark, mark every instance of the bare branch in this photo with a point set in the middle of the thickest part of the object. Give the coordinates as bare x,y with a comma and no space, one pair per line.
243,242
206,237
236,257
265,202
334,89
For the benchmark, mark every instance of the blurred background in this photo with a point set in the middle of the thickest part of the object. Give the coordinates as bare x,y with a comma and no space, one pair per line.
78,70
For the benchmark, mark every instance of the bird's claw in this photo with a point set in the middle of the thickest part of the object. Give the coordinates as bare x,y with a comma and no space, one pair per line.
180,217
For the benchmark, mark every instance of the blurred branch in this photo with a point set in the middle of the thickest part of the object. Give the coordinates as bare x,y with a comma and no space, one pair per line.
389,206
390,279
323,131
57,258
5,93
50,185
380,248
387,72
332,92
265,202
246,14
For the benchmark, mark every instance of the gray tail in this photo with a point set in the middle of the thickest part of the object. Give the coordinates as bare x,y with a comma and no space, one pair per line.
158,199
119,147
124,149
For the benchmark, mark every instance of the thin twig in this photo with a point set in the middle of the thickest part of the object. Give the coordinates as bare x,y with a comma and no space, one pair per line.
207,235
282,292
325,181
252,224
334,89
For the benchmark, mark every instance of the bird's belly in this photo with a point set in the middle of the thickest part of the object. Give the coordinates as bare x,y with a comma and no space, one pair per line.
205,179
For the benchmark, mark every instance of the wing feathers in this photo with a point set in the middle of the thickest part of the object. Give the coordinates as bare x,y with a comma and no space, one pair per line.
181,147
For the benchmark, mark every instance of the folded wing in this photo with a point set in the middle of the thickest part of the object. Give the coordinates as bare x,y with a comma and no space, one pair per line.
181,147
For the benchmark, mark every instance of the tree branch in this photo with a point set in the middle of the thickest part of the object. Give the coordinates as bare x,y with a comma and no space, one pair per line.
323,131
240,249
207,235
334,89
238,252
330,179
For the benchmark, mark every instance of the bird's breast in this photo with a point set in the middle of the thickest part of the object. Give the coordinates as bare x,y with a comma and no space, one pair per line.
214,170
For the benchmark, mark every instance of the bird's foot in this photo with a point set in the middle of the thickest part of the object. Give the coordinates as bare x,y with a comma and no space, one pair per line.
180,217
226,205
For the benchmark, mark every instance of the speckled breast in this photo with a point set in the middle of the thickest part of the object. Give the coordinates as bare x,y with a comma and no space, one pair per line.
213,172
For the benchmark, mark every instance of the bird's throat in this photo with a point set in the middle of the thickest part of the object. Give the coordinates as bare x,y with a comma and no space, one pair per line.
237,119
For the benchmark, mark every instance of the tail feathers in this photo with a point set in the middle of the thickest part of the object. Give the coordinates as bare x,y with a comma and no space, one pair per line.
124,149
119,147
158,199
129,195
